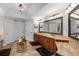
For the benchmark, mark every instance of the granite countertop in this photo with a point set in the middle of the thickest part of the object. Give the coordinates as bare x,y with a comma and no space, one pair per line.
55,36
64,48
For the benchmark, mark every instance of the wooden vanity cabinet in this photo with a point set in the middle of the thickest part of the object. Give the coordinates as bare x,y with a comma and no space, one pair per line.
46,42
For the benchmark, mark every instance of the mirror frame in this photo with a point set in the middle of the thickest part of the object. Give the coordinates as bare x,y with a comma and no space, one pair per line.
48,26
69,21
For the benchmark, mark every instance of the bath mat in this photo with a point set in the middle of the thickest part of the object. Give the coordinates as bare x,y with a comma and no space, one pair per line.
5,52
34,43
44,52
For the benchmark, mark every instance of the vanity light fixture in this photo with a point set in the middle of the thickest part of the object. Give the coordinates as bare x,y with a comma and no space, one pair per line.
74,15
70,7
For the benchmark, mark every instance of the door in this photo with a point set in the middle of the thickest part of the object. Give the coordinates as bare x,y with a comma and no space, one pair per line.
29,28
18,29
9,31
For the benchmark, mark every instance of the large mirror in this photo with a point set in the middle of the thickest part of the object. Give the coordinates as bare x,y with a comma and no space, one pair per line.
74,23
53,26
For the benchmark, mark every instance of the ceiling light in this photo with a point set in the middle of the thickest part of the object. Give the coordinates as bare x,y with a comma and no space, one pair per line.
50,18
68,10
20,7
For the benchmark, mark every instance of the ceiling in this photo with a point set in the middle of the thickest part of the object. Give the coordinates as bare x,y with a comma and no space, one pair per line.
32,10
52,8
10,9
